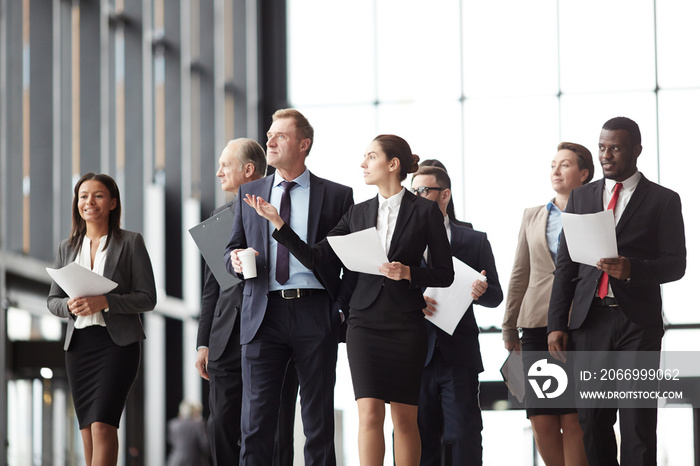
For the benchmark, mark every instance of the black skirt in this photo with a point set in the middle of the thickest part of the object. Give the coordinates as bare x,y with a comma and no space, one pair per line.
100,374
386,351
533,344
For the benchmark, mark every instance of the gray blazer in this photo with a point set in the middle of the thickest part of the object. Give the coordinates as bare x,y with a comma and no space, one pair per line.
129,265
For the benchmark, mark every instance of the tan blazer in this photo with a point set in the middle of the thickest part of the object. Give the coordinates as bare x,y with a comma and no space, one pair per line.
531,280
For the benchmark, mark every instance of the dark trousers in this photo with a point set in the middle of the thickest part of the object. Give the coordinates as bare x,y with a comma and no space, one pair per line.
284,437
608,329
304,329
449,416
225,398
224,423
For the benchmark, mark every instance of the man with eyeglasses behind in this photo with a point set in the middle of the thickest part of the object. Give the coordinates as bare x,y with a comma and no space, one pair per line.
448,409
450,210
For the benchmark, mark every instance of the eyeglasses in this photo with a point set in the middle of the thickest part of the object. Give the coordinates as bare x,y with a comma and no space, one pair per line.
423,191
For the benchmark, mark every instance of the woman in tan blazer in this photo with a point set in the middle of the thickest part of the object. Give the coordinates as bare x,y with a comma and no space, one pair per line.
558,435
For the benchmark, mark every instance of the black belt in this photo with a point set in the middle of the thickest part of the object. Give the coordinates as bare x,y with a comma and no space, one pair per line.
295,293
605,302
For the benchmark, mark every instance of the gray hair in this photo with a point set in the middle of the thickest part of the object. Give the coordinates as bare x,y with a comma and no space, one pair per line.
249,151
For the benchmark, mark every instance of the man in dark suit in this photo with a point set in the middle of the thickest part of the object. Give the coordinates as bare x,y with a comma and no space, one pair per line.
218,336
448,409
450,210
616,306
289,310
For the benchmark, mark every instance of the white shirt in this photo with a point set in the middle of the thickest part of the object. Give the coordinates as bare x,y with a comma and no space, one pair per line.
83,259
386,217
628,187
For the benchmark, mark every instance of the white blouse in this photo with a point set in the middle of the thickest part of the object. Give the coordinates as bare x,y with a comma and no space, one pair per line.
83,259
386,217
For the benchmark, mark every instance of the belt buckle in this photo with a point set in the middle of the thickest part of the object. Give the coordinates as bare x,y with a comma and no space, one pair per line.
296,295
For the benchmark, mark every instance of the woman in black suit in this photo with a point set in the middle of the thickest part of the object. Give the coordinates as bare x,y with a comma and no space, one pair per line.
103,348
386,338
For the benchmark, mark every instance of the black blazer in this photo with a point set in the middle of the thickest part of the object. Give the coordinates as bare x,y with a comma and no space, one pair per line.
328,202
650,234
128,264
418,224
219,309
473,248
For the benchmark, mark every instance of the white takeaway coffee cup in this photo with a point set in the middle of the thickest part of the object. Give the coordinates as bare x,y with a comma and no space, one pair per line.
247,258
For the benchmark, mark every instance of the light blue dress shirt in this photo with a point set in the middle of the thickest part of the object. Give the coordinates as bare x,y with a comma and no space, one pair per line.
553,229
299,276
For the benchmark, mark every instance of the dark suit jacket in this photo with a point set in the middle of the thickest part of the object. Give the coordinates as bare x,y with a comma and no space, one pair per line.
650,234
128,264
219,309
419,224
328,202
462,347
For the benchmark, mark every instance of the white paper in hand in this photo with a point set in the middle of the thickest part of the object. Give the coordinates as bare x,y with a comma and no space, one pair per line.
590,237
453,301
360,251
79,282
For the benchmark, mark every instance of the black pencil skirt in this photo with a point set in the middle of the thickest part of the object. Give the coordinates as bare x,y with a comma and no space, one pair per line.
100,374
386,351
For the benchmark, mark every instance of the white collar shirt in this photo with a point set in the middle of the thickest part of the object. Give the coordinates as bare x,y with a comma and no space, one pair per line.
387,213
83,259
628,187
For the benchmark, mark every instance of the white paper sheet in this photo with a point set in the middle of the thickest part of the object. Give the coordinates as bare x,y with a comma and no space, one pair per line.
79,282
453,301
360,251
590,237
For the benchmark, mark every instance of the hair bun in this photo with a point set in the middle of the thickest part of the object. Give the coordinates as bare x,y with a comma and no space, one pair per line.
414,164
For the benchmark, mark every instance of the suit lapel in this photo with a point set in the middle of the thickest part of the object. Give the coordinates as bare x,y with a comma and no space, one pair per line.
597,205
113,253
456,239
542,218
371,212
317,190
635,201
265,191
408,205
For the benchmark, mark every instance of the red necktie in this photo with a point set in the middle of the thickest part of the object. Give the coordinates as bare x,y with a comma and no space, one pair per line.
603,285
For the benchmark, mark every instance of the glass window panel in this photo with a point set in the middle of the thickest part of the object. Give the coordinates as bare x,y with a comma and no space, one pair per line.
678,43
675,435
331,56
509,145
341,135
421,125
513,426
681,340
493,355
606,45
510,47
418,50
582,117
679,118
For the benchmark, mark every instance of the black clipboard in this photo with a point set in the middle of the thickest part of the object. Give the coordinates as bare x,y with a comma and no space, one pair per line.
211,237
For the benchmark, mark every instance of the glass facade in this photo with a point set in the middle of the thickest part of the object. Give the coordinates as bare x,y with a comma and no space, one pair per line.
490,89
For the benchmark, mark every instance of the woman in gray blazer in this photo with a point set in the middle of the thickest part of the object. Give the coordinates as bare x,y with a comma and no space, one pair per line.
103,348
558,435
